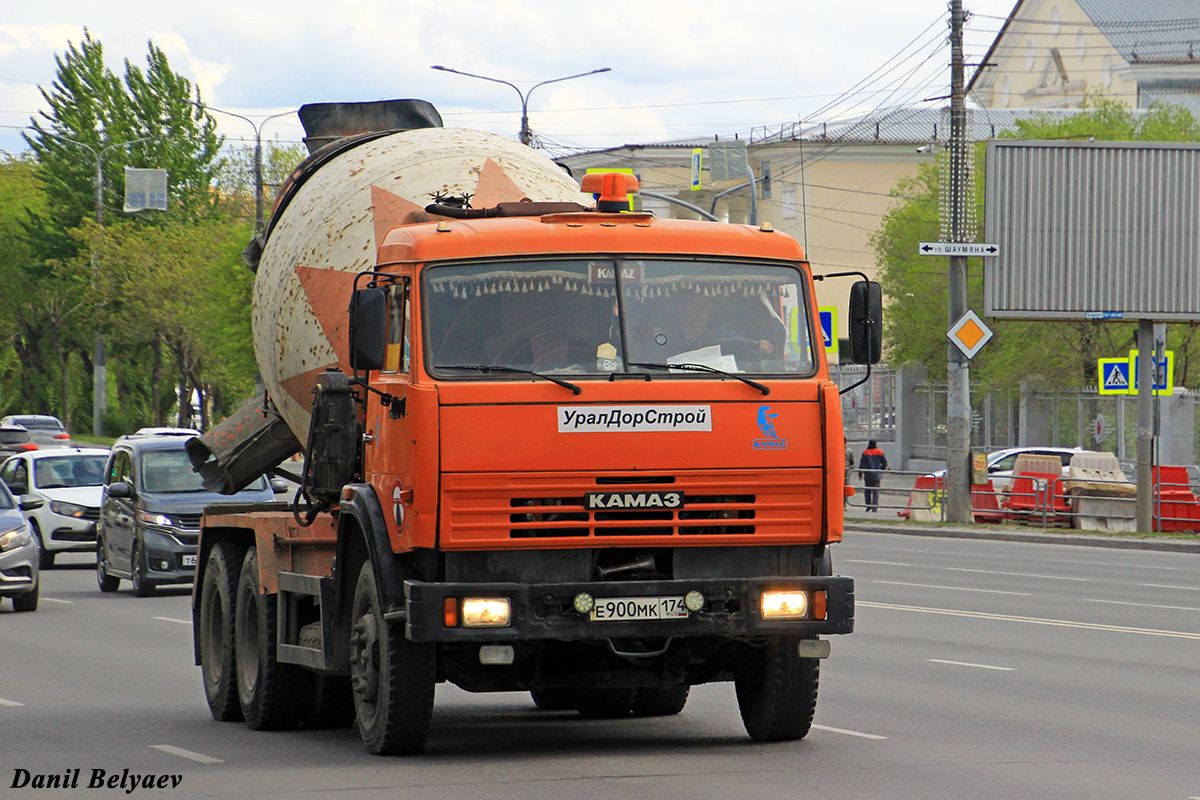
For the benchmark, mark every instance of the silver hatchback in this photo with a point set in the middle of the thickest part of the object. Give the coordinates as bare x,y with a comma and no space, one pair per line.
18,553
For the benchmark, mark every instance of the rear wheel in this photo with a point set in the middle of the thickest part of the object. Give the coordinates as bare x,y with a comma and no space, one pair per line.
660,702
393,678
27,601
271,694
605,703
553,699
106,582
776,690
142,586
218,588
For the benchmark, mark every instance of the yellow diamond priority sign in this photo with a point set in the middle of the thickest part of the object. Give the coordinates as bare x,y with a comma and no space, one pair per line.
969,334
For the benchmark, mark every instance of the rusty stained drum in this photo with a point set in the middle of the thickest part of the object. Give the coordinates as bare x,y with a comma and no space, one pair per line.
330,231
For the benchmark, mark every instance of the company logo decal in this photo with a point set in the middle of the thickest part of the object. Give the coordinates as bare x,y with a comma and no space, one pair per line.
626,500
766,424
636,419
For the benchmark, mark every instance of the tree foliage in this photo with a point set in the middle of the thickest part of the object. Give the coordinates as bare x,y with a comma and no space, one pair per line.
1062,353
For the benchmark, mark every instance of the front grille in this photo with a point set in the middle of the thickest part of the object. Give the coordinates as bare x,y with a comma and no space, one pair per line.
91,514
188,520
492,508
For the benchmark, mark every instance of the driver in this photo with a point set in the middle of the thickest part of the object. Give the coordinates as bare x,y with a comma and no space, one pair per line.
698,325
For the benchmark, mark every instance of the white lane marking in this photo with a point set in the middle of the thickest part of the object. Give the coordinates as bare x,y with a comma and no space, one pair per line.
1018,574
172,619
845,732
952,588
1168,586
179,751
1059,623
13,703
969,664
884,563
1142,605
56,600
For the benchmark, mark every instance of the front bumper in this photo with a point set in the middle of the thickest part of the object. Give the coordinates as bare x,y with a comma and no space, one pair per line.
545,611
168,560
72,535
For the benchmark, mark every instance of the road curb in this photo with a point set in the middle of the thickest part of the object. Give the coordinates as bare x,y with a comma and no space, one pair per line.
1036,537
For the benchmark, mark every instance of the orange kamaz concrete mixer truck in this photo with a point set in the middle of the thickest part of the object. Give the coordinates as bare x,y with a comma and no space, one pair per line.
549,445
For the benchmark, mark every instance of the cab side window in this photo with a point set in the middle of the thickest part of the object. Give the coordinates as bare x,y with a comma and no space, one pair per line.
399,315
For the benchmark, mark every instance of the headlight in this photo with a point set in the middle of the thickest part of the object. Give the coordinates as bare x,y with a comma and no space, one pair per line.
68,509
784,605
485,612
161,520
12,539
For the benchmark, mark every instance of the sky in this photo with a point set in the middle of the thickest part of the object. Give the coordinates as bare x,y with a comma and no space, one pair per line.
679,68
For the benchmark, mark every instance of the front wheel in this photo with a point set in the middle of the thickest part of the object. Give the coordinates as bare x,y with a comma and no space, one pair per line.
392,678
218,588
45,557
142,586
27,601
106,582
605,703
660,702
776,690
271,694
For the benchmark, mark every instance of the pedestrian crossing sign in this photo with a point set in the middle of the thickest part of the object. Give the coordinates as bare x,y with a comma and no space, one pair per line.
1114,376
1164,382
828,318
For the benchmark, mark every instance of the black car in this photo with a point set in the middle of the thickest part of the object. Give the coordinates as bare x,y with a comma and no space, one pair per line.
15,439
150,513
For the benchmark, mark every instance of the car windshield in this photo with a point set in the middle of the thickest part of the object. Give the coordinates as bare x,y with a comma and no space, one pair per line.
170,472
601,316
40,423
6,499
60,471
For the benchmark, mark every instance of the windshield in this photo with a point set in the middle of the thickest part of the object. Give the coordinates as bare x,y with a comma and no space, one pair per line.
40,423
170,471
579,317
55,473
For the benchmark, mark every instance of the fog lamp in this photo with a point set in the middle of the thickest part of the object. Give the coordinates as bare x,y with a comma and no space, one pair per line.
784,605
693,600
485,612
584,603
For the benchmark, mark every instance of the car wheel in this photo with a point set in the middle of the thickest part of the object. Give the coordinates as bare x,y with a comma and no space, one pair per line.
776,690
45,557
271,694
218,588
605,703
393,678
27,601
553,699
107,583
660,702
142,587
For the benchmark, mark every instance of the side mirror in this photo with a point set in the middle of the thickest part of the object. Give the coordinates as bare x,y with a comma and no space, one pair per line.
18,489
368,329
866,322
31,504
279,485
119,489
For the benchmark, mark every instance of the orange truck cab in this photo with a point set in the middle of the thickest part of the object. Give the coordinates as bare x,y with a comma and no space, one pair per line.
596,456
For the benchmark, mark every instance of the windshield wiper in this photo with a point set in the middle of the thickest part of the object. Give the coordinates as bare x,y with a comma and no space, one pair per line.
497,368
704,368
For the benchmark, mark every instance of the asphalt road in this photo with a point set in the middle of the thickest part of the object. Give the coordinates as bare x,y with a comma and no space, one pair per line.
979,669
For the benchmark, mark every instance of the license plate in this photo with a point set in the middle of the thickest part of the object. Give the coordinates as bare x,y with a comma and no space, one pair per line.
188,560
620,609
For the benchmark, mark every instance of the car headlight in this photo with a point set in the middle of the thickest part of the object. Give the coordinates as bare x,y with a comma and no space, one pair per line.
12,539
68,509
161,520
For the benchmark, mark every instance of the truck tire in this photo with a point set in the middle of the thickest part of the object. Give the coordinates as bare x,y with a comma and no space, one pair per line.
218,588
776,690
553,699
604,703
660,702
271,694
142,587
392,678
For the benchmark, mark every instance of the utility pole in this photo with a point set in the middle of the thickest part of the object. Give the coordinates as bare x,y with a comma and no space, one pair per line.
955,229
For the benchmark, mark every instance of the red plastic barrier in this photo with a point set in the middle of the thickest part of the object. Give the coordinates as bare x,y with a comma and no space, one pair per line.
985,505
1036,494
1175,505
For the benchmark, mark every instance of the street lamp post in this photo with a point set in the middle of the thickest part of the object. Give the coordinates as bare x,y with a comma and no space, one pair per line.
258,178
99,352
526,135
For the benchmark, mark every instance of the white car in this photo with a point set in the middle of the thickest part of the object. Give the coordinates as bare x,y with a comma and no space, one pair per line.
70,484
1000,463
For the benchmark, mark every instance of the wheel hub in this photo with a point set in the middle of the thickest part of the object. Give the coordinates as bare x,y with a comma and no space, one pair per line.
364,658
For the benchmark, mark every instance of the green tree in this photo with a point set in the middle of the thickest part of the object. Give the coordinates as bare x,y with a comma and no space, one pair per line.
1065,352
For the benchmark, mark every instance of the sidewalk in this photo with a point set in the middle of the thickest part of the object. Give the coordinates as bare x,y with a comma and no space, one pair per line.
1009,533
